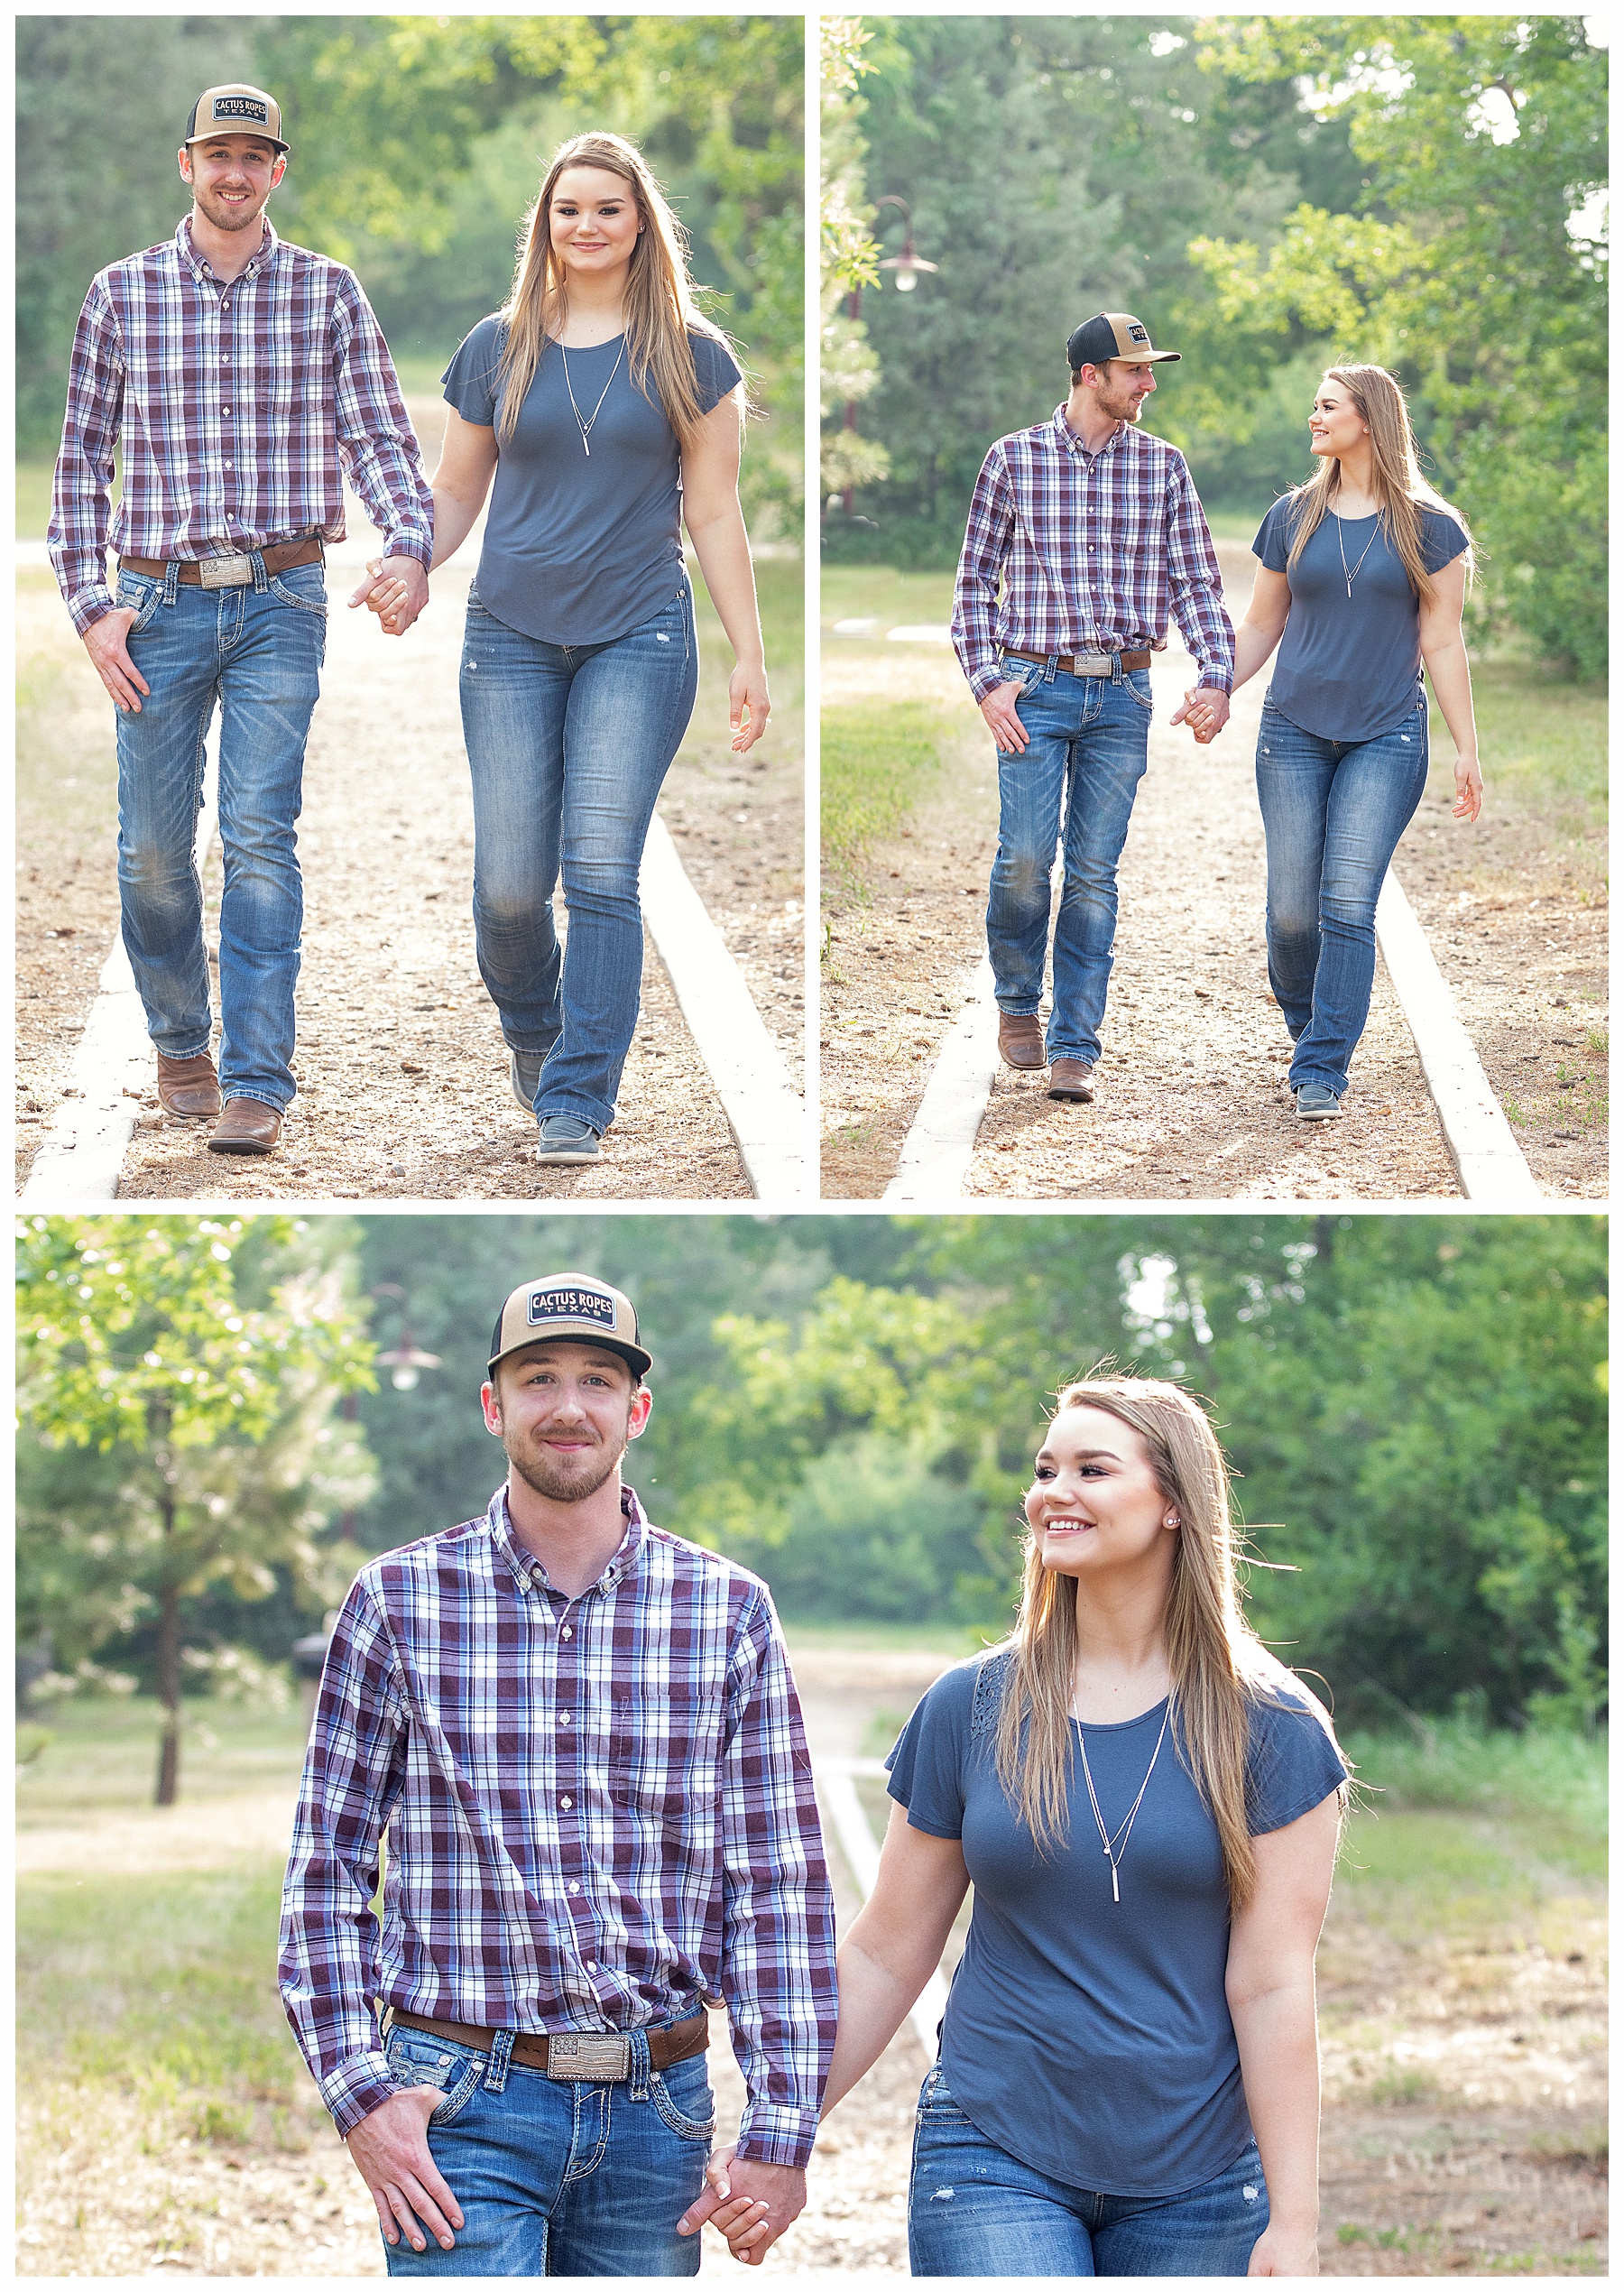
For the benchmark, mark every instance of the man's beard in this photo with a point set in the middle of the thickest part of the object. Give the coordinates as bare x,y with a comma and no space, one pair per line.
563,1483
229,218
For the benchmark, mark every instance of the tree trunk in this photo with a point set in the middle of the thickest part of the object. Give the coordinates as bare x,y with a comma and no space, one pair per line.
169,1665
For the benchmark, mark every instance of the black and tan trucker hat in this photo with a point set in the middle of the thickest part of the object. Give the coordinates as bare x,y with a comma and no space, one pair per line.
1114,334
235,110
576,1307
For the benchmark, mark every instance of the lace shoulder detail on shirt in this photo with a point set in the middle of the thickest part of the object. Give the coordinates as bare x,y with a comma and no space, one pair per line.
991,1674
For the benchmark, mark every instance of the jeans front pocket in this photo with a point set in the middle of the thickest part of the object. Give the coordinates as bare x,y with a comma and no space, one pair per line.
679,2091
145,595
416,2058
310,581
1136,683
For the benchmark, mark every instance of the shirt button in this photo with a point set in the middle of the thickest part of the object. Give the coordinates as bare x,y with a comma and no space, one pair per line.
566,1802
224,465
592,1966
569,1631
563,1718
575,1885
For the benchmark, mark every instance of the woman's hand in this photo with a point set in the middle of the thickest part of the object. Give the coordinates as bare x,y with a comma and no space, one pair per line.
743,2220
1197,713
388,595
748,706
1280,2251
1469,788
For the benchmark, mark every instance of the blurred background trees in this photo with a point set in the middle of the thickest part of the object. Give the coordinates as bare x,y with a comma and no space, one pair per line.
1268,194
418,144
1415,1408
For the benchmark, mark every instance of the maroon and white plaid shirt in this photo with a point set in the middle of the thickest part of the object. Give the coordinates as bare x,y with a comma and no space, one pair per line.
238,401
600,1811
1069,551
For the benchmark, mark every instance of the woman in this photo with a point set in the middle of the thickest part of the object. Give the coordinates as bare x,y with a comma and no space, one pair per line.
1363,571
1148,1806
605,408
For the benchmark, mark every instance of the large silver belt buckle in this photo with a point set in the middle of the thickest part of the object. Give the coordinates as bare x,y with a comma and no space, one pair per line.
589,2061
225,572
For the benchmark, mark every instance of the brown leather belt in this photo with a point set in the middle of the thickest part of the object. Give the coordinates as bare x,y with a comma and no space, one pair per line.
1072,662
282,557
575,2057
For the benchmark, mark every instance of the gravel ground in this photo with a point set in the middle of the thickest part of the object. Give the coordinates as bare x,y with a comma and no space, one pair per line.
1190,1103
401,1072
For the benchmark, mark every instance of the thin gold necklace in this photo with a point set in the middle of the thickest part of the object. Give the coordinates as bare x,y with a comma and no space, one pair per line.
1115,1848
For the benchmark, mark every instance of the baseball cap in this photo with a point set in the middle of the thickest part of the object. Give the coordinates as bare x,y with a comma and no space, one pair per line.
235,110
1113,334
575,1306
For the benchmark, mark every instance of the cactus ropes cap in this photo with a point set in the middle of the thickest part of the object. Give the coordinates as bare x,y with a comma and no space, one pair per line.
236,110
1113,334
575,1306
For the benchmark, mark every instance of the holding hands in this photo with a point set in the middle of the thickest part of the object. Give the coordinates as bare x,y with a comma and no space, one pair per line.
396,589
1206,711
751,2204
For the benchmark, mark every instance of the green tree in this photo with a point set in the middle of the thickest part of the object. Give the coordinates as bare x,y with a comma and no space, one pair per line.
848,261
1467,266
196,1366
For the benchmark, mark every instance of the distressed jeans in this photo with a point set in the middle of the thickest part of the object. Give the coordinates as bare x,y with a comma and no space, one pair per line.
568,747
255,653
1332,813
558,2179
974,2210
1086,741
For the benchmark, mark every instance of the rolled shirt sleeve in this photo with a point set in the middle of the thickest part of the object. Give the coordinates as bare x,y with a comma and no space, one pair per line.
981,568
82,487
1195,586
778,1906
354,1771
376,442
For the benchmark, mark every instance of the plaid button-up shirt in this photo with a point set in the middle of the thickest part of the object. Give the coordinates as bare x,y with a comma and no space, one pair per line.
1069,551
237,400
600,1811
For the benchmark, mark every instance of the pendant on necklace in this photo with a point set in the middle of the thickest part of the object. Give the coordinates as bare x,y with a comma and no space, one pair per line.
1115,1891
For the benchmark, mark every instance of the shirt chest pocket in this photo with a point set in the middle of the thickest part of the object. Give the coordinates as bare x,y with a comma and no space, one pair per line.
665,1763
289,375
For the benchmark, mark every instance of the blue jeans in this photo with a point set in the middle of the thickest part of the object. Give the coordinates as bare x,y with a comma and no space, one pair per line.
257,652
1332,813
568,745
558,2179
974,2210
1086,738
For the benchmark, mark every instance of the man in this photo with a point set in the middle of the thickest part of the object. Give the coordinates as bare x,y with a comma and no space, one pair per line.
240,373
1082,532
583,1736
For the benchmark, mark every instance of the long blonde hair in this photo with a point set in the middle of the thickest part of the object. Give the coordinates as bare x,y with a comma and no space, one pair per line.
1218,1664
660,309
1401,492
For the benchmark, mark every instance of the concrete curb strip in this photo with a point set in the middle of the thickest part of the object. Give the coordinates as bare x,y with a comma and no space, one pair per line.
113,1065
1486,1155
937,1150
850,1825
765,1114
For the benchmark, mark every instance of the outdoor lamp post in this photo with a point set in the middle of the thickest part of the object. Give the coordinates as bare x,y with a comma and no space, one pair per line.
405,1362
907,266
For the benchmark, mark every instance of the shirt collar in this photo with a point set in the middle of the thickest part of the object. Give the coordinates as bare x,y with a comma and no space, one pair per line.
202,268
1072,444
527,1569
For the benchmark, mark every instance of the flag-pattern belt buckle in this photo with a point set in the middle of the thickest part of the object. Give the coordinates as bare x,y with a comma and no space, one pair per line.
225,572
590,2060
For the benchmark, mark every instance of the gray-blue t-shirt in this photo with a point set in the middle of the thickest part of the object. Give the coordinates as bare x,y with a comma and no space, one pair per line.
1089,2037
579,546
1349,668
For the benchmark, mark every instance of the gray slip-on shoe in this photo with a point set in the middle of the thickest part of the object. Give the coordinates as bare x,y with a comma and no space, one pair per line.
1315,1104
566,1138
524,1072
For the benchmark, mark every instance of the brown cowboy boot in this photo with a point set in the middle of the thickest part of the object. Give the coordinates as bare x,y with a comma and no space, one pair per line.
188,1088
247,1126
1020,1041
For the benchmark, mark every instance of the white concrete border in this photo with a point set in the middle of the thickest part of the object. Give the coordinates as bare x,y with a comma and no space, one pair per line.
764,1109
838,1793
1487,1157
941,1140
113,1063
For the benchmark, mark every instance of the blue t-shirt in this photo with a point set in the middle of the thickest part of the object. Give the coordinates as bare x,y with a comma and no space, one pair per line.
1349,667
1089,2037
581,545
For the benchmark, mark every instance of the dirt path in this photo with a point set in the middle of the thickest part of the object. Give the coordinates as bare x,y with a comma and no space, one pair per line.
401,1072
1191,1104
